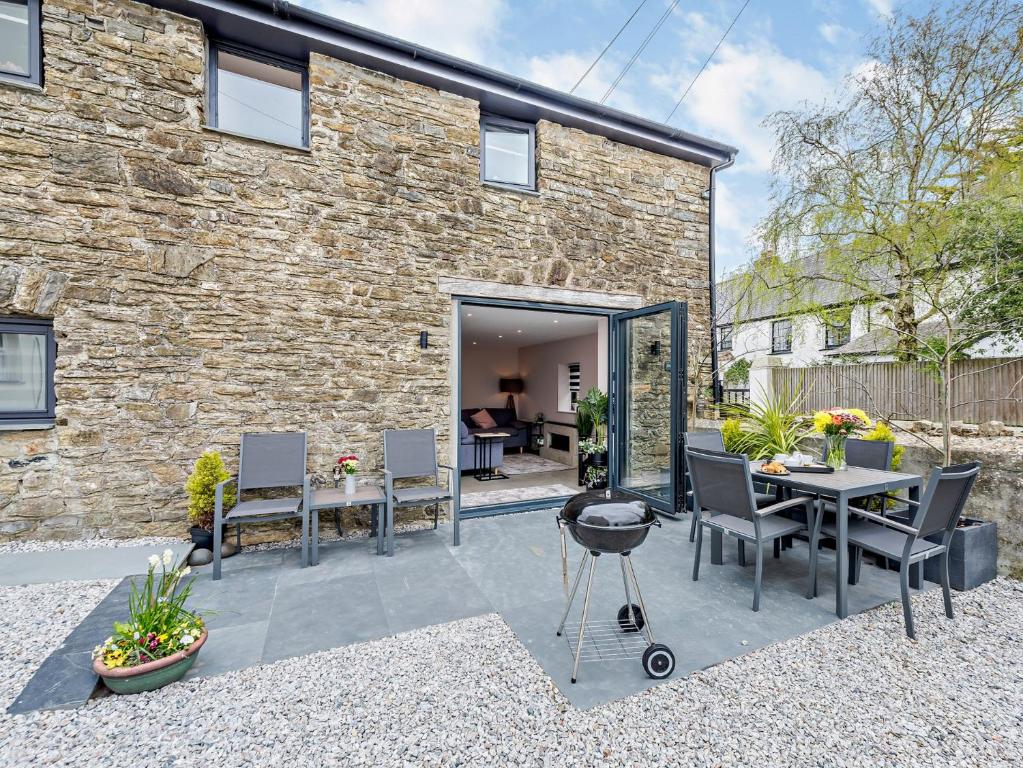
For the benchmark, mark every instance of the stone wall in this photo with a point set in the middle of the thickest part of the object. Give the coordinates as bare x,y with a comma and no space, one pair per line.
203,285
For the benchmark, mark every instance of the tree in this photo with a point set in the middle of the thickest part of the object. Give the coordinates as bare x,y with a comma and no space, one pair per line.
865,185
907,193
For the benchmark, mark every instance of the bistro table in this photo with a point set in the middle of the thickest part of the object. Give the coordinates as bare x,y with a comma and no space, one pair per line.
336,498
484,456
839,486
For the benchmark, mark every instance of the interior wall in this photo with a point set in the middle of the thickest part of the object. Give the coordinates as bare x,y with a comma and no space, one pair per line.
538,365
482,366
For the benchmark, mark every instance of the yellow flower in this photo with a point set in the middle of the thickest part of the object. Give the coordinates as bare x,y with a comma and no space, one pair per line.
821,420
859,414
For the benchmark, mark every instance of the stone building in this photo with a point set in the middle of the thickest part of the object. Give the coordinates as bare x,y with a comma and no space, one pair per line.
181,271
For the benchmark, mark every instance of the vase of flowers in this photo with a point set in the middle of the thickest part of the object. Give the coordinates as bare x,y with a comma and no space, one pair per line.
158,643
346,467
836,424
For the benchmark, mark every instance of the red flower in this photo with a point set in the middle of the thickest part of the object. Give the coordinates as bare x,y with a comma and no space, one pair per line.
343,459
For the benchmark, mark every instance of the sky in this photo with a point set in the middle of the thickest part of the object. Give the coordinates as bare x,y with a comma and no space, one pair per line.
781,54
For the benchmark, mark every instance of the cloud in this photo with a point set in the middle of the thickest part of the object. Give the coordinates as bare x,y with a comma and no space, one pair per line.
832,33
468,32
562,69
883,8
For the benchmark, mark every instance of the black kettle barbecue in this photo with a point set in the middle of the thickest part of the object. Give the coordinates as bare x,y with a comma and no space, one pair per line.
611,523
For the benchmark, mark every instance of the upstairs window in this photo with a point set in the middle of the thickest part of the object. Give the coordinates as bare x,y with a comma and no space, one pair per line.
837,330
508,153
258,95
781,336
27,356
725,332
20,45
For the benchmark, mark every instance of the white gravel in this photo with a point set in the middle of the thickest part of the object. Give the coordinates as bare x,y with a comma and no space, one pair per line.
467,693
31,545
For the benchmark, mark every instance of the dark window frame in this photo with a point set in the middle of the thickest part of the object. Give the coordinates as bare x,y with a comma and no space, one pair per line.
786,346
724,337
838,334
488,121
20,325
35,49
214,47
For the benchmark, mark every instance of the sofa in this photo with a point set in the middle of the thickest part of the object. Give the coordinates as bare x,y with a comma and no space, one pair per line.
507,421
467,450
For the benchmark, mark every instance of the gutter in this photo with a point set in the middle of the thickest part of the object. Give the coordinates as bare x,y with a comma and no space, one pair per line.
716,380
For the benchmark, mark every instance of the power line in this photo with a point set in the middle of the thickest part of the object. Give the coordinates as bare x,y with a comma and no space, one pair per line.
640,50
606,47
686,92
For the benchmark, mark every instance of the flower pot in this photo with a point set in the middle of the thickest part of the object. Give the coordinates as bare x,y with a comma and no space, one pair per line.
202,538
349,485
972,556
152,674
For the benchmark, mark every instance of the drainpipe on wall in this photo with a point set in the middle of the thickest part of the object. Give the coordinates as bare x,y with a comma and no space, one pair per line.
716,381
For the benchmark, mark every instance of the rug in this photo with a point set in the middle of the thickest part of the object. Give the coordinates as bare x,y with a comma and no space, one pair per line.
507,495
528,463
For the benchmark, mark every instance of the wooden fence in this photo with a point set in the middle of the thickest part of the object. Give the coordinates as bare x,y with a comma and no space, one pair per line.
982,390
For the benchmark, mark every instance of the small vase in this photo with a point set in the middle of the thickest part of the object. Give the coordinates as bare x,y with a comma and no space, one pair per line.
834,455
349,485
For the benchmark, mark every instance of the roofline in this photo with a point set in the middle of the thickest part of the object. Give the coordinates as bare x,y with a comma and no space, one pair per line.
293,31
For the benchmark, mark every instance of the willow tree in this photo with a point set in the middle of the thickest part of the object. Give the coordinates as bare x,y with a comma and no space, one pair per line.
865,187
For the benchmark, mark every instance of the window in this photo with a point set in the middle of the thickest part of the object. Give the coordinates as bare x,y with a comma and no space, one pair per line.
258,95
781,336
20,44
725,334
27,354
508,153
569,379
837,329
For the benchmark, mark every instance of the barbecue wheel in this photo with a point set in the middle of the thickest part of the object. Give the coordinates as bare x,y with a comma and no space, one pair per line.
623,619
658,661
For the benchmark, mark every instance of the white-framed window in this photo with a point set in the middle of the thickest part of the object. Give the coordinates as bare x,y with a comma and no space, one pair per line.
27,359
838,329
508,153
569,381
781,336
725,334
21,59
258,95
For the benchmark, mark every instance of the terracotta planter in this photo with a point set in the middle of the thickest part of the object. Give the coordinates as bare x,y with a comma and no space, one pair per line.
152,674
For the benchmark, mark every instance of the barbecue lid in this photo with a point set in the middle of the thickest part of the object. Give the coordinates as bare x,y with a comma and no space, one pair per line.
607,509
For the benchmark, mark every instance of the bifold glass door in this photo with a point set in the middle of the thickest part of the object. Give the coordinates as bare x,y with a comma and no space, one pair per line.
648,403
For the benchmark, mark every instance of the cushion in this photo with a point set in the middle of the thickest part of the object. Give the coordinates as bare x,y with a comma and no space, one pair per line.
463,433
483,419
502,416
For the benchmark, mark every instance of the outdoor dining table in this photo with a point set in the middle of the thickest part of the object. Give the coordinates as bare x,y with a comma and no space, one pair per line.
840,486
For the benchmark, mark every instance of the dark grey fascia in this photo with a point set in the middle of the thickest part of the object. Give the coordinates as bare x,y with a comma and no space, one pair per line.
295,32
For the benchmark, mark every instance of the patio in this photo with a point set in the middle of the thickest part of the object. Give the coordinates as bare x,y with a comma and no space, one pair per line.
266,608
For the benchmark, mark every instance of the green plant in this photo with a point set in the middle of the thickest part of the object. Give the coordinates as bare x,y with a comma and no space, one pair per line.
738,372
583,423
594,405
201,488
158,624
731,433
595,476
590,447
774,426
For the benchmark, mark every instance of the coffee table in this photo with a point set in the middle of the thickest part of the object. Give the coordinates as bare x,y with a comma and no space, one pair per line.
336,498
484,455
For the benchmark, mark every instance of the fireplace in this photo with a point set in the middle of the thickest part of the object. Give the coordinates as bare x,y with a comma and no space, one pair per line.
560,442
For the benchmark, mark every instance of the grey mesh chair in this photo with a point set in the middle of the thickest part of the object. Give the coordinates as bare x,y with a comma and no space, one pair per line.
412,454
723,488
913,541
266,461
713,441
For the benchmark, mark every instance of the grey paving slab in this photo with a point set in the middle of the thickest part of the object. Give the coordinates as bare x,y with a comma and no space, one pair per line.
81,564
238,646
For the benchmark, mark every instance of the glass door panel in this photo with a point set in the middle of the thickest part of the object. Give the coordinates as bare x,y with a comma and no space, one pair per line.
648,400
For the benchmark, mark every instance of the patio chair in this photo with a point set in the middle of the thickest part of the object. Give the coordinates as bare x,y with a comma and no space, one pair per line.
908,543
265,461
723,487
713,441
408,454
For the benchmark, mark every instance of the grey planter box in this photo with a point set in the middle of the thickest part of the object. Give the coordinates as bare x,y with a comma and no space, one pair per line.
972,558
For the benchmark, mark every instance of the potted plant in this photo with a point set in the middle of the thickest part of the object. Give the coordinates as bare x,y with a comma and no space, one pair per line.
596,478
836,424
346,466
591,454
158,643
201,488
591,420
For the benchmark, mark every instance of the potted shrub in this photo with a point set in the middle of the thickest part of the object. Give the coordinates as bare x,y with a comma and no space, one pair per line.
158,643
591,454
591,419
201,488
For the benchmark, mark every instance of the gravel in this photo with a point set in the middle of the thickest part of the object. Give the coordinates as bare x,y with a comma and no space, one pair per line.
468,693
12,547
